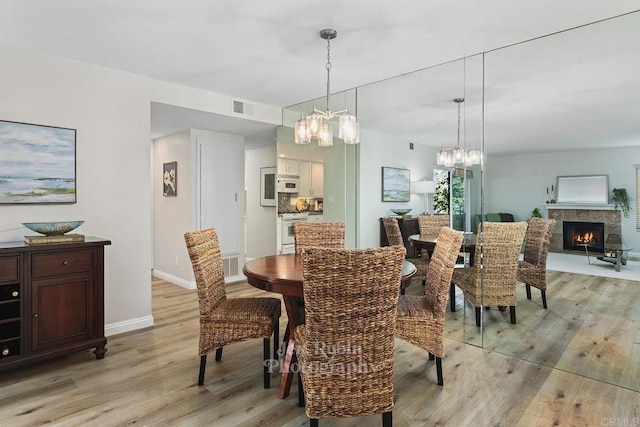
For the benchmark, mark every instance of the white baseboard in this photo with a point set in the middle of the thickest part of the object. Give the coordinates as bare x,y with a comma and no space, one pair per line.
128,325
173,279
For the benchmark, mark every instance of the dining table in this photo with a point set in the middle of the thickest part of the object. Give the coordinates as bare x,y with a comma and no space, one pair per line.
282,274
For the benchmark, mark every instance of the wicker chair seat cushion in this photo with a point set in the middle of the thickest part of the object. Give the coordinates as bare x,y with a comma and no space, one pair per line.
260,310
414,306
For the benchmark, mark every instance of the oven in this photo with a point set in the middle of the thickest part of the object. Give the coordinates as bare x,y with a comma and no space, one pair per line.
288,238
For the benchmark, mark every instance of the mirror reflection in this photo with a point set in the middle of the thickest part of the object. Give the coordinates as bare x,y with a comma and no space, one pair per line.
567,105
316,183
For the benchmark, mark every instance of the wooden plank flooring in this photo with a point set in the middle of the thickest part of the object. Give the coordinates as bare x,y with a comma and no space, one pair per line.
148,377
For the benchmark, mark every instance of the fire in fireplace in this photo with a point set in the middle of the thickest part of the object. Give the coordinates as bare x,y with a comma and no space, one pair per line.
577,235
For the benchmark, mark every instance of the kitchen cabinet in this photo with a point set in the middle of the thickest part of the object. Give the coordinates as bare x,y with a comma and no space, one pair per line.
311,179
288,167
51,300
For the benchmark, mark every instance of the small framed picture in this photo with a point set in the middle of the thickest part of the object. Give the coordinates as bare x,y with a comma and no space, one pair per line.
170,179
396,184
268,186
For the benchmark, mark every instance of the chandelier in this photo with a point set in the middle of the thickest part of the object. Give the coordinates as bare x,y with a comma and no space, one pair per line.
458,156
316,125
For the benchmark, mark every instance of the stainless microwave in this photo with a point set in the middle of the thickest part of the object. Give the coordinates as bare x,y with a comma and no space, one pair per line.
288,185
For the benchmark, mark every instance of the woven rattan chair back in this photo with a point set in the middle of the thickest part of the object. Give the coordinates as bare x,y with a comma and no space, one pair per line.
538,238
500,248
391,227
206,260
432,224
346,355
441,266
318,234
532,270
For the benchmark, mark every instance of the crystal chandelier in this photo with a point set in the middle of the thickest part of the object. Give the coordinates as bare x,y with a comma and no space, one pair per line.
316,125
458,156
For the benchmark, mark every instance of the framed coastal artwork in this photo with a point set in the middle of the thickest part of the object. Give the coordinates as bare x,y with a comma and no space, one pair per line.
268,186
37,164
396,184
170,179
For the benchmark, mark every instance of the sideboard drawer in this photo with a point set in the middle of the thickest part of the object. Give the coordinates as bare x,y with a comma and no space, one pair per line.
57,263
9,271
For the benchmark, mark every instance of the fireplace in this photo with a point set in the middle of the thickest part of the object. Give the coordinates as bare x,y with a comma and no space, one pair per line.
577,235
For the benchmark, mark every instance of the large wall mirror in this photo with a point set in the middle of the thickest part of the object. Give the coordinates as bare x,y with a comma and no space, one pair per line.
566,105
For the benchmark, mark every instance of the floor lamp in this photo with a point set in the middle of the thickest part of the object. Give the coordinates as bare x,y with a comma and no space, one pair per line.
425,188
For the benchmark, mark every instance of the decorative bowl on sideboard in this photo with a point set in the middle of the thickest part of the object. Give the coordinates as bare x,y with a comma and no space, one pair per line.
53,228
401,211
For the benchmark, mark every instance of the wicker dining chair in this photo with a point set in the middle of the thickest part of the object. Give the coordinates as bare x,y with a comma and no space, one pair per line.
532,270
432,224
491,281
224,321
394,236
421,318
318,234
346,355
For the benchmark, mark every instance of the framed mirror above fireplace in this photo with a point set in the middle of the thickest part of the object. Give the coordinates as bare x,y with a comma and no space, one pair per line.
587,189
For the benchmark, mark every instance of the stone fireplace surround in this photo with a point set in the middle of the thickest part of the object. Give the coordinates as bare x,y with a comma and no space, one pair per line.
606,214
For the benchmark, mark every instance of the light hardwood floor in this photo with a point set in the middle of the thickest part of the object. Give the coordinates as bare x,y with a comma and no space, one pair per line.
148,378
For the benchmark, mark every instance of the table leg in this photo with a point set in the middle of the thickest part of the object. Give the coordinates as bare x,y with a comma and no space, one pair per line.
290,359
618,260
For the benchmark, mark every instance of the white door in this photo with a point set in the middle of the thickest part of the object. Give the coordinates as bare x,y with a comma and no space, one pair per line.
219,201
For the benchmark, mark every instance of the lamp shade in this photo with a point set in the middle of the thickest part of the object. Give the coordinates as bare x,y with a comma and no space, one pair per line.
424,187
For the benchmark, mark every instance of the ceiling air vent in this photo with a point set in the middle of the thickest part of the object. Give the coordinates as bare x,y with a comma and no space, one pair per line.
240,107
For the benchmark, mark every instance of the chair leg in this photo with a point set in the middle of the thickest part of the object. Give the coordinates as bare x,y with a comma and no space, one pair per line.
218,354
512,313
544,299
387,419
439,370
203,364
313,422
478,316
528,288
402,291
431,356
276,335
301,402
266,348
452,297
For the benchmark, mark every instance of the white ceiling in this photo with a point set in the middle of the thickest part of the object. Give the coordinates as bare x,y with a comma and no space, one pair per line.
270,51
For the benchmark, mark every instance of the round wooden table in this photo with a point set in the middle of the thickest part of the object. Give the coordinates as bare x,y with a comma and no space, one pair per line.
282,274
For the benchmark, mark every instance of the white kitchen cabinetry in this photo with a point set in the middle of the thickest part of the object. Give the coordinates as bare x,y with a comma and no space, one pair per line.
288,167
311,179
316,218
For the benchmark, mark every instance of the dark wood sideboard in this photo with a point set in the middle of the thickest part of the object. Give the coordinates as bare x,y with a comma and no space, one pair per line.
51,300
408,226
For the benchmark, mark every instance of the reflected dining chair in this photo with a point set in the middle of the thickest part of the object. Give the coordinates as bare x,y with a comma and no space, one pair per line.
432,224
394,236
491,281
532,269
346,355
224,321
421,318
319,234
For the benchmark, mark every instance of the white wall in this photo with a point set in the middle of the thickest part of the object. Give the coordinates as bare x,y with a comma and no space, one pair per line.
377,150
172,216
260,220
518,183
111,112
